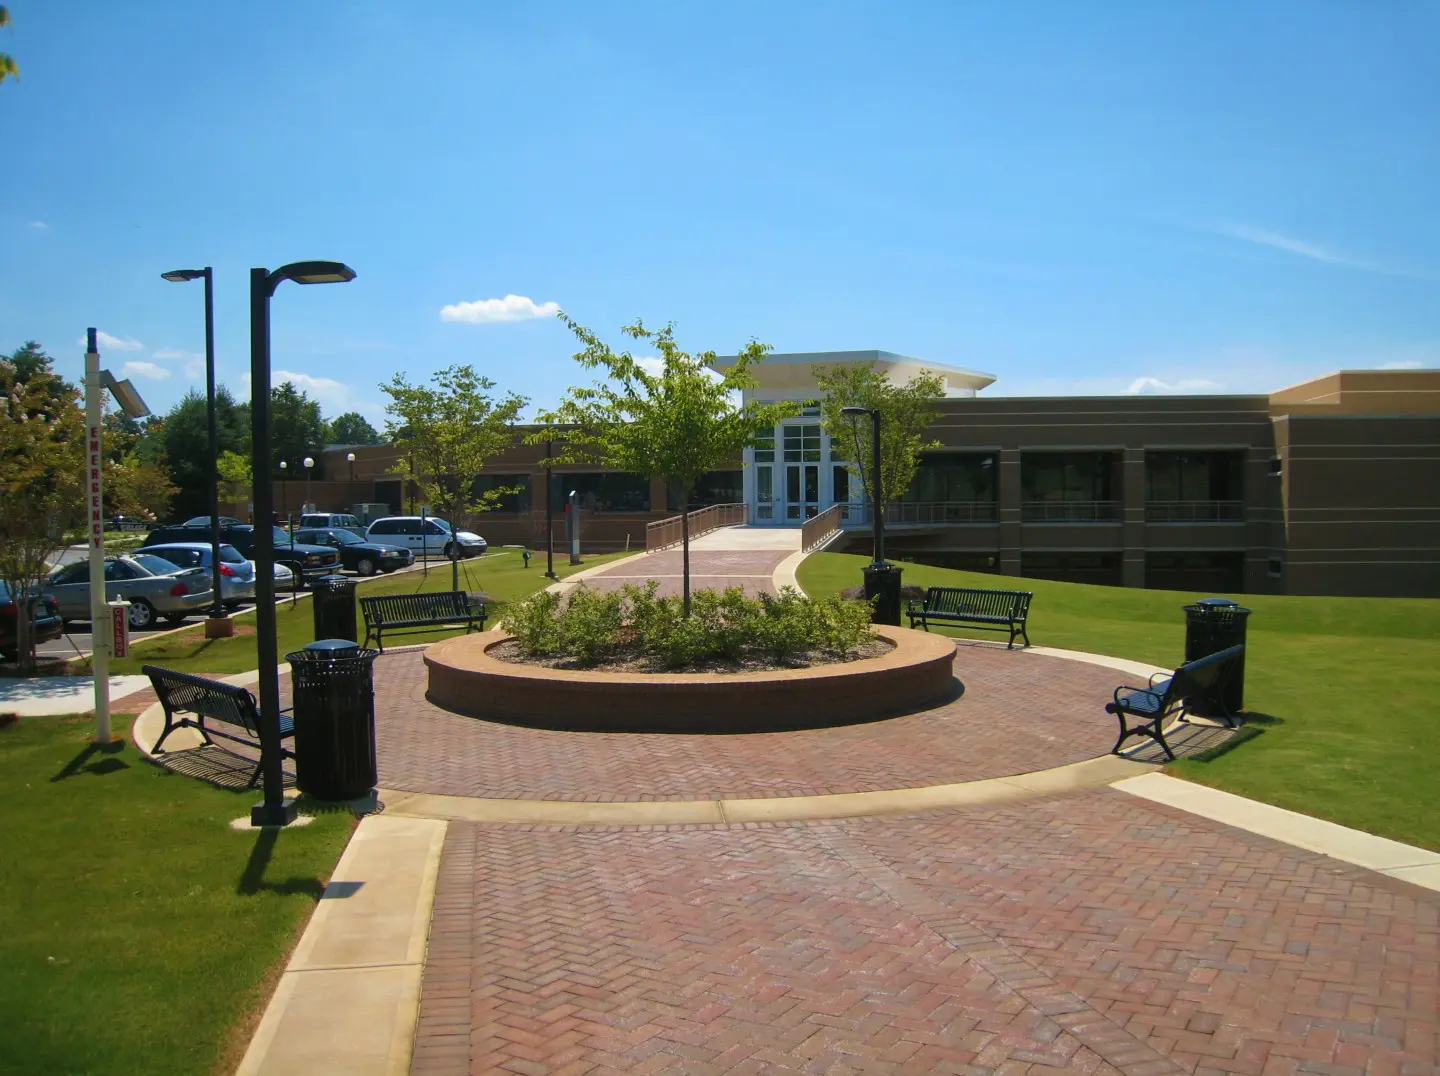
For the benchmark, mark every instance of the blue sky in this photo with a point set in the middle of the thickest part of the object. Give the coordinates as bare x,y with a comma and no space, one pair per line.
1079,197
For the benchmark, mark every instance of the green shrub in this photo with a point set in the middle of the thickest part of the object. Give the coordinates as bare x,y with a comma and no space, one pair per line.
534,623
591,623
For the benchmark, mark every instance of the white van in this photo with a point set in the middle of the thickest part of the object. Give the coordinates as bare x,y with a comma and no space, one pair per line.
423,536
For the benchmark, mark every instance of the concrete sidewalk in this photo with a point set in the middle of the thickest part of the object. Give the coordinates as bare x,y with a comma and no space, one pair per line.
47,696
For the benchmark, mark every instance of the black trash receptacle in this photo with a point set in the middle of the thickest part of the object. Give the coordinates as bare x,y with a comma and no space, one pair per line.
334,698
334,597
883,581
1212,625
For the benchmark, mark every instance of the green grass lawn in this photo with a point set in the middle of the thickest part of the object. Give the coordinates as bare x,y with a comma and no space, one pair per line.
1347,687
501,576
138,932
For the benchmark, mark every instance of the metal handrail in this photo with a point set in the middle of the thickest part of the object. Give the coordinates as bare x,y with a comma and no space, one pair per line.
1070,511
664,533
818,528
924,512
1194,511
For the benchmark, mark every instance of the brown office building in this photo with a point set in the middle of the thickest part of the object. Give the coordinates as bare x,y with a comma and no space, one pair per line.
1328,487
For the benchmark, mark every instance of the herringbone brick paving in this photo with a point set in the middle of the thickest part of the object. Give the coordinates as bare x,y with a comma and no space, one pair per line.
1087,933
1019,712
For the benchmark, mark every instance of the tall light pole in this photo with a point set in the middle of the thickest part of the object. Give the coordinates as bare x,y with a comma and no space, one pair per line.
549,506
308,462
217,611
284,495
877,500
274,811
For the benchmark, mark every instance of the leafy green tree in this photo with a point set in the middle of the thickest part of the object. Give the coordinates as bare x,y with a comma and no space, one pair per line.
450,429
7,62
185,440
906,411
30,359
42,454
352,429
297,428
676,424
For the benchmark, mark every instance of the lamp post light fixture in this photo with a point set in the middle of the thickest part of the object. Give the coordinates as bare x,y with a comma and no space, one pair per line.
274,810
179,276
877,500
308,463
350,459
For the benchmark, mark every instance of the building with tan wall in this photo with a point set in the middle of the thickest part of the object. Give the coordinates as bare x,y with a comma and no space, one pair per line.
1327,487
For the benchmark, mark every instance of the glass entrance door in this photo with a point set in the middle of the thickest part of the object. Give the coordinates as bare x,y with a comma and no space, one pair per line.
764,493
802,490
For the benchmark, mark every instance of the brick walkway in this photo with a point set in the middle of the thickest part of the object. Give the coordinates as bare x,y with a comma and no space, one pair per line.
1019,712
1087,933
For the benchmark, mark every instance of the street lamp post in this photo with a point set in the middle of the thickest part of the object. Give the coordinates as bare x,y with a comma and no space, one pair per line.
284,495
877,500
882,580
217,611
549,508
274,810
309,462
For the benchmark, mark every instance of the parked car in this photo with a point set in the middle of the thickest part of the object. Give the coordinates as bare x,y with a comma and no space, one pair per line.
355,552
129,523
237,575
307,561
284,577
341,520
424,536
154,586
46,623
204,521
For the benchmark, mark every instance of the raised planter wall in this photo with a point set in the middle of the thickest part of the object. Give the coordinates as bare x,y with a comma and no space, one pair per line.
917,674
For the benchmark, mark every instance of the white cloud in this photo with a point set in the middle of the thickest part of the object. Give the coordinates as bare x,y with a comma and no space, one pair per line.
334,397
651,365
510,308
39,224
163,353
1314,251
114,343
194,369
1153,385
146,370
1402,364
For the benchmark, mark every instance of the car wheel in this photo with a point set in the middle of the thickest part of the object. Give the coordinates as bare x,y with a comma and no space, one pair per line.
449,551
142,614
365,566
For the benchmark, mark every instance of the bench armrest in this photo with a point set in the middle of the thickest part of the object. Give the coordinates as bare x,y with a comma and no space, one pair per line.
1159,676
1132,689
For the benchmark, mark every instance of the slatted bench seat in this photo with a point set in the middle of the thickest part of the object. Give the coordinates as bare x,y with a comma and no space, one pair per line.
400,613
988,610
212,702
1163,698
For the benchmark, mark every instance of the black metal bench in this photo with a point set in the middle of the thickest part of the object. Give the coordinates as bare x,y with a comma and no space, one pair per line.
399,613
211,700
1204,677
988,610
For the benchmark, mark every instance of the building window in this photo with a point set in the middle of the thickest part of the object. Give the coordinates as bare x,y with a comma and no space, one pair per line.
712,487
510,502
1204,572
1276,467
1193,476
1277,568
810,409
952,479
1100,568
765,447
615,491
802,443
1067,476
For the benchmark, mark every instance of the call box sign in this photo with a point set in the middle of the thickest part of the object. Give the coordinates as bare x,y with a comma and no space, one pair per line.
120,630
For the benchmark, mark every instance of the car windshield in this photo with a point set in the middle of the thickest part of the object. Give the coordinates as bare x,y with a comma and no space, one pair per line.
153,564
282,537
347,538
183,558
230,555
438,523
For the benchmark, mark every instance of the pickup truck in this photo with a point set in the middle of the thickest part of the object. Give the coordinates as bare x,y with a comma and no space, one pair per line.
308,562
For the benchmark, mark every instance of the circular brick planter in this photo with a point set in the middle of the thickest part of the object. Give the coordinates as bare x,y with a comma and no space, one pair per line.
916,674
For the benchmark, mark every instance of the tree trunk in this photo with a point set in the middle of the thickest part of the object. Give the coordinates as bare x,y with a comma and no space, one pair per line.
685,550
454,554
24,635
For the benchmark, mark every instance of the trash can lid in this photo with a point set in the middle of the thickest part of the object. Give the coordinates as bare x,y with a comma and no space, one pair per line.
331,647
1216,603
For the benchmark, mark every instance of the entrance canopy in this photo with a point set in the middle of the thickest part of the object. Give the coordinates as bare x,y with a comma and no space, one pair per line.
789,374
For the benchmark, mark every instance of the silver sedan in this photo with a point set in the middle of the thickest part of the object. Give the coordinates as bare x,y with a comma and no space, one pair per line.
153,587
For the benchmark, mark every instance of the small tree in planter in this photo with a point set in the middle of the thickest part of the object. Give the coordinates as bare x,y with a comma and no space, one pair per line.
675,424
